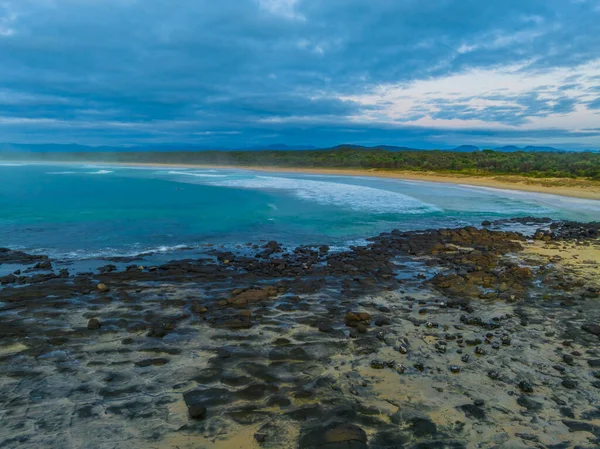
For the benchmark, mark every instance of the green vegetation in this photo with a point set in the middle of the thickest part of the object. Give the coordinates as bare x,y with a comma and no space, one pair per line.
531,164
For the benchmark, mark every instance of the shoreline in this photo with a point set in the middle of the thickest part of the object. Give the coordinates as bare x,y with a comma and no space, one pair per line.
573,188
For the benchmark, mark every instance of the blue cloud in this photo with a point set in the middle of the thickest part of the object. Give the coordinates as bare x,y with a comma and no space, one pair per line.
232,72
595,104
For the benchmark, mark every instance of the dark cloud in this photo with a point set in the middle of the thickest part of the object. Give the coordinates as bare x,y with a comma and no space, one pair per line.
232,71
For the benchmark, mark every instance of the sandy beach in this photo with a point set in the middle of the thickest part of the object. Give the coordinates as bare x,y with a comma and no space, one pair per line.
575,188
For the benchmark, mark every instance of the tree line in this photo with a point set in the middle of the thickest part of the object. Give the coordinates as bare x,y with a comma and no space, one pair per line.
487,162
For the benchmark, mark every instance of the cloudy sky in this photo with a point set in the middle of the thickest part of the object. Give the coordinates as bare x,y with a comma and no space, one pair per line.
236,73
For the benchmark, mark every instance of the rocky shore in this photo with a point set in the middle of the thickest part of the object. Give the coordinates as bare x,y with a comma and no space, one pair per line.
451,338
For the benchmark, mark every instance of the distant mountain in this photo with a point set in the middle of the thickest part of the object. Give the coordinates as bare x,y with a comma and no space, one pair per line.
182,147
377,147
543,149
466,149
528,149
509,149
281,147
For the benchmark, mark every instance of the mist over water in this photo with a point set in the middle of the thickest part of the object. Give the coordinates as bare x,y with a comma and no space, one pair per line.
86,211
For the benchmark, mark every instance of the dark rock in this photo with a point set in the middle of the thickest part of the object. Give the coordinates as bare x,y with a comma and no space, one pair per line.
528,437
568,359
567,412
306,412
422,427
152,362
382,321
579,426
473,411
197,412
93,324
529,403
525,387
334,436
377,364
223,353
255,392
325,327
569,384
592,328
207,397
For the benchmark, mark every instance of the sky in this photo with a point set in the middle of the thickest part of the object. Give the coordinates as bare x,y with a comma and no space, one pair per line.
240,73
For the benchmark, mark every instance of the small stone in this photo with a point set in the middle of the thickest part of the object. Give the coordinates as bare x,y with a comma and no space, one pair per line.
402,349
493,375
419,366
479,402
324,327
94,324
592,328
570,384
377,364
102,288
568,359
260,437
382,321
197,412
361,328
400,369
525,387
529,403
197,308
223,353
465,358
455,369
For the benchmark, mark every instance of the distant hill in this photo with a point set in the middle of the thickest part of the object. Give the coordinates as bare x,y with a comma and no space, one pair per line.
282,147
509,149
466,149
528,149
178,147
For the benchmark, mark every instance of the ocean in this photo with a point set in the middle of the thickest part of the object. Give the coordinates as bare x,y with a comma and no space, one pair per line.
77,212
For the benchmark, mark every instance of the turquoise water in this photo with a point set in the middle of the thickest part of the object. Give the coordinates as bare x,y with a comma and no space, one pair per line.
85,211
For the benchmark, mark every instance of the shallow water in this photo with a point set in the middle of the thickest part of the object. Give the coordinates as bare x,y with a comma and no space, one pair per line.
87,211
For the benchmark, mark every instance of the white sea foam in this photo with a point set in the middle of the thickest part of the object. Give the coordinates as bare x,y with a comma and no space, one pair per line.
136,251
547,199
197,174
360,198
98,172
6,164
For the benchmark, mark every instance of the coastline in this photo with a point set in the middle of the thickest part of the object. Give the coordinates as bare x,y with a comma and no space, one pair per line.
573,188
237,351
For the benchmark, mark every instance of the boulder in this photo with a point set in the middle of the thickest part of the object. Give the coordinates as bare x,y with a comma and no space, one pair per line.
334,436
